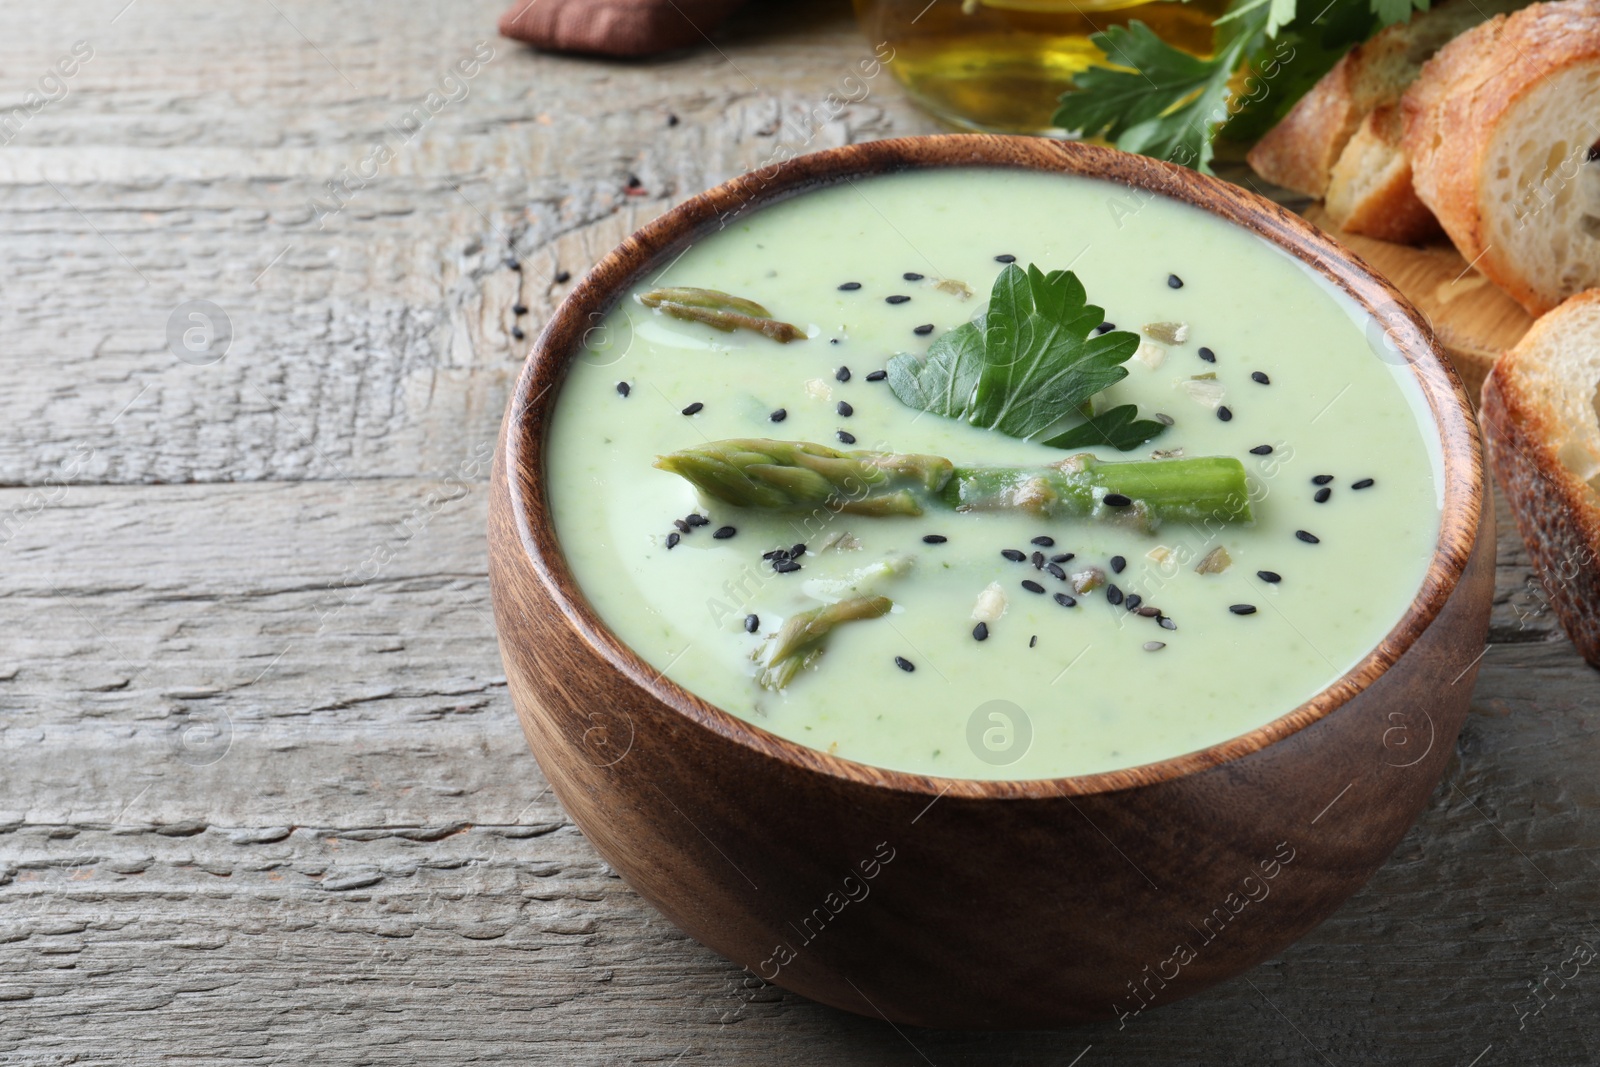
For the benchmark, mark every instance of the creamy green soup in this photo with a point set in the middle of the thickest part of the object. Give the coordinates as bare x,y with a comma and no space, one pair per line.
1344,481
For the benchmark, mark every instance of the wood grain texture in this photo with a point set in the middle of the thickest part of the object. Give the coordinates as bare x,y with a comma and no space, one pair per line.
155,911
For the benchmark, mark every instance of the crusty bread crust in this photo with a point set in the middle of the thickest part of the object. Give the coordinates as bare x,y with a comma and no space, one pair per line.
1370,190
1557,514
1300,151
1453,110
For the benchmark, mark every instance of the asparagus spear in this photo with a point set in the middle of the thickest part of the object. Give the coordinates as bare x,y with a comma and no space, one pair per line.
799,642
720,310
800,476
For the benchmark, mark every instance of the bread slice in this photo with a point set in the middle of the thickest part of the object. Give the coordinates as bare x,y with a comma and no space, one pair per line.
1500,128
1541,421
1299,153
1370,190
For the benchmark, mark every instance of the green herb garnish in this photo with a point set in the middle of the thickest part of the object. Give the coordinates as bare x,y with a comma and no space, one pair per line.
1030,360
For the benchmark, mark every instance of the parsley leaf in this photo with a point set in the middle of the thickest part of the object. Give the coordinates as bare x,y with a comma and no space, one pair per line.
1031,359
1159,100
1389,12
1117,427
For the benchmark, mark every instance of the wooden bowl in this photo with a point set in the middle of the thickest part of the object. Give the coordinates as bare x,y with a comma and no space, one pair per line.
959,903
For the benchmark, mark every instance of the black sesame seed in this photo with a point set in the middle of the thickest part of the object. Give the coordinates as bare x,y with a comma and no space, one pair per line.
1038,561
683,527
842,374
1166,623
1062,557
911,276
904,664
1365,483
1064,600
1261,450
623,388
752,623
877,376
1322,479
516,332
778,416
512,263
1271,577
1308,538
672,120
1105,327
1056,571
896,299
786,566
634,182
672,540
1013,555
694,409
1174,282
1006,258
924,330
1116,500
934,539
562,276
1043,541
1117,564
696,519
1257,376
1224,414
796,551
1113,594
1322,495
845,436
1034,640
1207,355
1133,601
519,309
849,287
1242,609
980,632
844,409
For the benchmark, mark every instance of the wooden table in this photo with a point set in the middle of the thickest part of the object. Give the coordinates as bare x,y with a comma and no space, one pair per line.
262,796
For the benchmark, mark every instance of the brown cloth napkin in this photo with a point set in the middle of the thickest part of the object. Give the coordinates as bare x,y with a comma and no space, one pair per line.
614,27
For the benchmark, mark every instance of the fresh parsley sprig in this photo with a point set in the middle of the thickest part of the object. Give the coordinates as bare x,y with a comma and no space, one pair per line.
1158,100
1032,359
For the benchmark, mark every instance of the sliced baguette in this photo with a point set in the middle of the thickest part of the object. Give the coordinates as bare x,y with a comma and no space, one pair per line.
1299,153
1370,191
1541,420
1498,129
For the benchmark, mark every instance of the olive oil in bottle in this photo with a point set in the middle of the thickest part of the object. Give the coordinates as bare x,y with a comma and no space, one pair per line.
1000,65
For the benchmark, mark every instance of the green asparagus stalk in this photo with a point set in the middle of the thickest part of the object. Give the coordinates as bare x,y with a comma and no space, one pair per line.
721,311
799,642
800,476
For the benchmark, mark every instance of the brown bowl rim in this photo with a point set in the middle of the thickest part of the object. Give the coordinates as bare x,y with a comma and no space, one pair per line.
524,433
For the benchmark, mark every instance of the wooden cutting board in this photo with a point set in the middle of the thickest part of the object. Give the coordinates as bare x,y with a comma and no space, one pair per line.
1472,318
